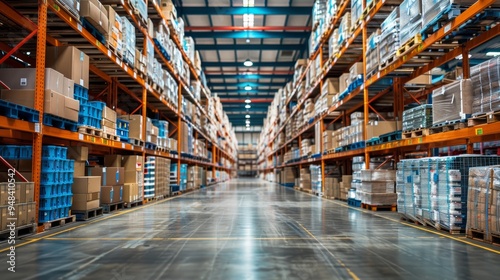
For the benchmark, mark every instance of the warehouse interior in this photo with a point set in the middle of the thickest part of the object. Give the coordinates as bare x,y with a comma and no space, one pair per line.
256,139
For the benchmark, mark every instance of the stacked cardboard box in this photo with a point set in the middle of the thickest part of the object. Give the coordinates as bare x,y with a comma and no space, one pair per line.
377,187
485,78
112,180
305,179
345,186
58,96
162,174
133,175
24,204
86,193
194,177
115,34
128,41
108,122
96,14
135,126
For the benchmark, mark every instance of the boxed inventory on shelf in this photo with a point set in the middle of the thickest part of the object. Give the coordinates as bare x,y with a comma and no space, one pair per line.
86,192
485,78
452,102
95,13
71,62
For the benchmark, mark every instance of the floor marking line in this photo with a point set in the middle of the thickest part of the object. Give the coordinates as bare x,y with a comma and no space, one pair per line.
352,274
459,239
147,205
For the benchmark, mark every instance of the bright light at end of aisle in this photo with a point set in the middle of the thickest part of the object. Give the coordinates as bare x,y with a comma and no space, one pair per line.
247,106
248,88
248,101
248,127
247,116
248,3
248,63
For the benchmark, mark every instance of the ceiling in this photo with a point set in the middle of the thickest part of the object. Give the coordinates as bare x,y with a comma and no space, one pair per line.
279,36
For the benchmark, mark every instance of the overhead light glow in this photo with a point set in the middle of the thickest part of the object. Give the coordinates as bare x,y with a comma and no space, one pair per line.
247,106
248,63
247,122
492,53
248,3
248,101
247,116
248,20
248,127
248,41
460,57
248,88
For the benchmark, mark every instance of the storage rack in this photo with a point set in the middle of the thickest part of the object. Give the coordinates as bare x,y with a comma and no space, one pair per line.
384,86
108,73
247,157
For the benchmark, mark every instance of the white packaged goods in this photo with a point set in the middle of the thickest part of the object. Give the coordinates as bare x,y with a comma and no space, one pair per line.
410,19
485,78
389,41
452,102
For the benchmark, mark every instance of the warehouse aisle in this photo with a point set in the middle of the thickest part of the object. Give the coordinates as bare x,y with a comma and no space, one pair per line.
249,229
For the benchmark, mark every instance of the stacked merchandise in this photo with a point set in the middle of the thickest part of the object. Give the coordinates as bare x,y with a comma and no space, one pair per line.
194,177
417,117
308,111
356,10
331,9
333,43
94,16
372,54
183,178
410,20
288,177
135,126
300,67
108,122
305,179
162,133
72,6
483,203
305,148
151,132
356,73
329,141
376,187
56,179
345,185
435,189
140,64
86,189
389,38
128,41
133,187
332,181
452,102
344,29
149,178
115,34
189,48
141,9
318,22
432,10
316,179
112,180
122,129
162,174
485,77
59,102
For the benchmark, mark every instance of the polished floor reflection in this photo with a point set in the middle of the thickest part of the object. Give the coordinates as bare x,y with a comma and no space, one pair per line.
250,229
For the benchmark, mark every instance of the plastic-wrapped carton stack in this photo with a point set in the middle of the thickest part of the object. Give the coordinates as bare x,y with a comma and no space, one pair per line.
356,10
128,41
389,41
316,179
417,117
452,102
486,90
410,19
376,187
305,179
344,29
373,54
333,43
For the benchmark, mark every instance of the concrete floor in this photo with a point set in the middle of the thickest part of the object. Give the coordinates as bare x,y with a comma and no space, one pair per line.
249,229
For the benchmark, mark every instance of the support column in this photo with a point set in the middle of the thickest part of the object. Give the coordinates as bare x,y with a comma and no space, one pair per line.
41,43
365,95
179,133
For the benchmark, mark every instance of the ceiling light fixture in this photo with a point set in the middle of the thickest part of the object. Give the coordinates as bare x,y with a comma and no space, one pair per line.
247,116
248,87
247,122
248,63
492,53
248,101
247,106
248,127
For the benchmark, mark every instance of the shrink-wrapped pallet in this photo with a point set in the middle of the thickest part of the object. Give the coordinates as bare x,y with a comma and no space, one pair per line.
452,102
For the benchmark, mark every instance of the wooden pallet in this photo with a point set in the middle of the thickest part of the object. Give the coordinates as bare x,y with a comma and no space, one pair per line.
368,9
485,118
409,45
416,133
392,208
84,215
136,142
107,208
19,232
110,137
386,63
447,127
59,222
88,130
413,221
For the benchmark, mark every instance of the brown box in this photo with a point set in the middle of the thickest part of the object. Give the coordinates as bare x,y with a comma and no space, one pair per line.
113,161
85,201
130,192
133,163
71,62
135,126
109,114
79,169
380,127
26,97
96,14
118,193
78,153
53,102
108,195
344,82
3,217
110,176
168,9
4,193
30,213
68,88
24,78
331,86
86,184
424,79
26,193
134,176
21,211
71,109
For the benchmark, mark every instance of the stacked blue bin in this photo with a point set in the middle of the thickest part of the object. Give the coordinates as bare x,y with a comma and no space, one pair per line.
90,111
122,129
184,167
56,179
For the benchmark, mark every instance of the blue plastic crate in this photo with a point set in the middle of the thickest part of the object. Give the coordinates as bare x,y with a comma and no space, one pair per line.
70,165
54,152
51,165
65,177
122,124
89,121
49,203
25,152
10,151
49,177
81,93
47,215
97,104
50,190
66,189
64,212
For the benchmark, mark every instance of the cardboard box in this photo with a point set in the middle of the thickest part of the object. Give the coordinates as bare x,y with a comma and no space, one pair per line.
118,193
30,213
109,114
4,193
331,86
378,128
355,70
71,109
68,88
107,195
113,161
133,163
86,184
79,169
168,9
344,82
110,176
26,97
71,62
21,211
53,102
85,201
130,192
135,126
133,176
96,14
78,153
25,78
3,217
27,193
424,79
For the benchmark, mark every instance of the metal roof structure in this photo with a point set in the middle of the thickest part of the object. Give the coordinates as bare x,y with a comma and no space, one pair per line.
272,34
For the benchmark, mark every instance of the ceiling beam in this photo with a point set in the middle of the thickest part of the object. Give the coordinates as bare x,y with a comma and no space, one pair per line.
285,10
248,76
263,47
244,84
254,100
255,64
258,72
248,34
242,28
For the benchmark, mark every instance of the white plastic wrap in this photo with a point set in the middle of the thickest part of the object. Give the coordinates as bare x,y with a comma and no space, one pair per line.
452,102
